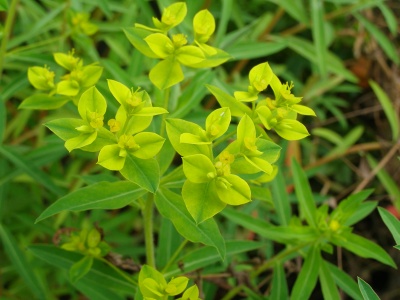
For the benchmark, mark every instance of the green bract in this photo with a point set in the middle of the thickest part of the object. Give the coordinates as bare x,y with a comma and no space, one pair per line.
153,285
211,184
279,114
71,86
173,50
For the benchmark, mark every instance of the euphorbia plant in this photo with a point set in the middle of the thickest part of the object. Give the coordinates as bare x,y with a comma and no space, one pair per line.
224,159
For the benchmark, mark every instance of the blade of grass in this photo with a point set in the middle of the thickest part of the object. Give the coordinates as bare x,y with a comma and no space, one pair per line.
318,33
31,170
20,263
387,46
388,108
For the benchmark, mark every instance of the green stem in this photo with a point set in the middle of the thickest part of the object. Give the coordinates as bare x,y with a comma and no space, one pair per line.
224,138
270,263
147,212
174,256
120,272
167,93
233,292
6,33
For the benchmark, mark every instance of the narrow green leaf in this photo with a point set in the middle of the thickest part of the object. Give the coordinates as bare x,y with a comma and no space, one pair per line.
366,290
172,207
388,108
100,274
207,256
363,247
387,181
391,223
387,46
254,49
363,210
20,263
236,107
344,281
98,292
192,95
3,5
42,101
280,234
329,289
31,169
279,285
143,172
102,195
294,8
281,199
169,240
80,268
318,33
3,120
307,278
390,17
304,194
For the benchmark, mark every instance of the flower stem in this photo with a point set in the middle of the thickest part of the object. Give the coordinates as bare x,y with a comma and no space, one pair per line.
270,263
6,33
174,256
147,212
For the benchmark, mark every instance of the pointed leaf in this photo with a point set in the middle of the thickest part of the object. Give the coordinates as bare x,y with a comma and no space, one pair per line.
235,191
198,168
366,290
308,275
329,289
391,222
42,101
304,194
102,195
201,200
143,172
172,206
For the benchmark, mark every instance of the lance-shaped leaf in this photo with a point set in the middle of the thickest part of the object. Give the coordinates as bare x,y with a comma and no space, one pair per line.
237,108
80,268
43,101
102,195
172,206
67,61
233,190
136,37
217,122
143,172
198,168
201,200
363,247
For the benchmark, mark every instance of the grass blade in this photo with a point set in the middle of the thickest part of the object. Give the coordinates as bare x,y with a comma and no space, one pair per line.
20,263
318,33
388,108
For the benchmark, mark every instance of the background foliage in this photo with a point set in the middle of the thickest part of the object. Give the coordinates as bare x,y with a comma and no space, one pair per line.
343,57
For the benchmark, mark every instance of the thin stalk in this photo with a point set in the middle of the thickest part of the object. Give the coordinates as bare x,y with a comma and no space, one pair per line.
233,292
174,256
270,263
147,212
167,93
120,272
6,33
